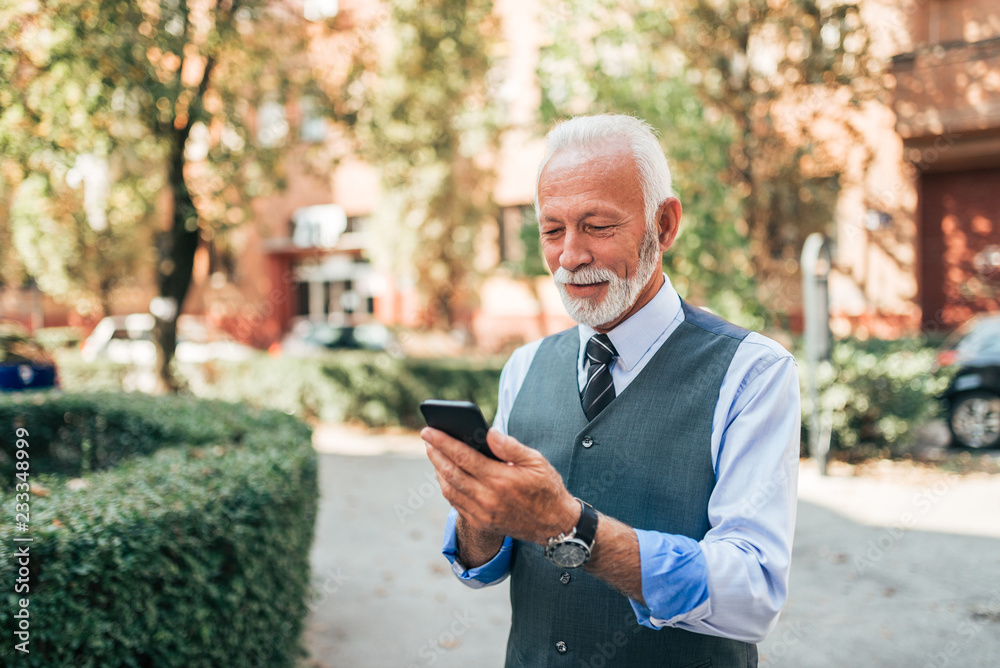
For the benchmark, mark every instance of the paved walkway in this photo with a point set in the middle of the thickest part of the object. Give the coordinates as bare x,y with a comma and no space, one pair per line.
888,571
386,597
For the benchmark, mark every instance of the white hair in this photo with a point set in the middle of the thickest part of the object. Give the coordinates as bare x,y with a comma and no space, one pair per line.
587,131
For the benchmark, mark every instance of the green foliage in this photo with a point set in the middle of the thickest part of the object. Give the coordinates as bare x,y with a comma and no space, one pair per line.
734,87
58,338
125,82
372,388
93,432
533,262
106,106
389,392
190,547
17,347
428,122
774,70
878,393
75,229
75,375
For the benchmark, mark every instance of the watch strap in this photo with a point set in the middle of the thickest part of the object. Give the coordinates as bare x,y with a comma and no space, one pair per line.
586,526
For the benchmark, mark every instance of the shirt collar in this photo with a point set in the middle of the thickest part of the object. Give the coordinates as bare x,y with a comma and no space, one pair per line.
634,337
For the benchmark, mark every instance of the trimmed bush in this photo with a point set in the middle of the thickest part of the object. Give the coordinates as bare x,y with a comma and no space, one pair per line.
878,393
388,391
59,338
185,542
372,388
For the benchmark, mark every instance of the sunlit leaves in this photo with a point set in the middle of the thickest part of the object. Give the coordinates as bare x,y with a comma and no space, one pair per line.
127,81
427,122
734,86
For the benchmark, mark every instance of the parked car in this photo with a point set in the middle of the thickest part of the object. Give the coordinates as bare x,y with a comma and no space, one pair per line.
128,339
309,338
24,364
973,395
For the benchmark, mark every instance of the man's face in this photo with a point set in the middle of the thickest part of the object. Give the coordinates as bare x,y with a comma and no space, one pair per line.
594,234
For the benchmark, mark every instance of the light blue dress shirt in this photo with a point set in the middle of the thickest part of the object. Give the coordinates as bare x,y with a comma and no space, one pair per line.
734,581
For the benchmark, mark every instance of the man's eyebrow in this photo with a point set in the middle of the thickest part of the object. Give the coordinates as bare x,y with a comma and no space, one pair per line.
584,216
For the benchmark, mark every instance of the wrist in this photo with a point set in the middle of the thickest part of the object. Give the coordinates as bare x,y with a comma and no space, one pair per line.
573,549
565,519
475,546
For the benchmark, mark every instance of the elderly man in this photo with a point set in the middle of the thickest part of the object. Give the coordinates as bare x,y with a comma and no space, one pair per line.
645,504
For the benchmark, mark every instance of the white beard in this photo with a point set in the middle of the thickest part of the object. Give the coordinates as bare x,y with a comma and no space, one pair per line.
622,292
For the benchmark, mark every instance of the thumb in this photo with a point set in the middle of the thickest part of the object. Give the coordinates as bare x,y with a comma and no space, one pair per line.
506,447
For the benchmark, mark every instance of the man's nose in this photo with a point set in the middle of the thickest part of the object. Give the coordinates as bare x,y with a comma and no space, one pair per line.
575,252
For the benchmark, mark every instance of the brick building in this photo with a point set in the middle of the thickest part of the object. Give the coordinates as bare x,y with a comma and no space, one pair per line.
947,106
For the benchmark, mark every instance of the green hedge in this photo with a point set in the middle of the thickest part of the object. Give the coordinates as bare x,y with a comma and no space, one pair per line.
878,393
185,543
373,388
389,391
59,338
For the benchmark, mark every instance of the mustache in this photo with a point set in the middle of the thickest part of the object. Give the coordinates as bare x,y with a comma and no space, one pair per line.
584,276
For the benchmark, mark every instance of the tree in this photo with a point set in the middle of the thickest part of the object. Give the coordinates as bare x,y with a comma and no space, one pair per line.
430,124
73,222
736,87
166,93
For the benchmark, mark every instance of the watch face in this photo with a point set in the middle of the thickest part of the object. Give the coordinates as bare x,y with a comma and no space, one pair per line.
569,554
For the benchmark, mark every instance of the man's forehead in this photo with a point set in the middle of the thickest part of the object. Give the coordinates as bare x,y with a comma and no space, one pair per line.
596,166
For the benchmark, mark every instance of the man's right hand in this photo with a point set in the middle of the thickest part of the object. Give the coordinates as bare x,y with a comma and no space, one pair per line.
522,496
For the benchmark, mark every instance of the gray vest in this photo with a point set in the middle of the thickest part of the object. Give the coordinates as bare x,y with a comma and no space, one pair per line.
645,460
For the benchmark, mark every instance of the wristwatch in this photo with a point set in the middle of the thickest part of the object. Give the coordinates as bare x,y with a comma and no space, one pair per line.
573,550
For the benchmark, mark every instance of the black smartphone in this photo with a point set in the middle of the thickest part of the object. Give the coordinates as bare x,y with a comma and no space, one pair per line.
459,419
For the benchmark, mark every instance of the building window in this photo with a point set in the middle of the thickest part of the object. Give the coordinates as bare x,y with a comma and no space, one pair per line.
337,289
302,298
314,126
318,226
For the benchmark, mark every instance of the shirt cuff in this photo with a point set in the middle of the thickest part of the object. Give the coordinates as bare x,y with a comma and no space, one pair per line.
674,579
492,572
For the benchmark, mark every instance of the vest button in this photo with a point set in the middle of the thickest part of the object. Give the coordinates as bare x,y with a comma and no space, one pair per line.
565,578
587,441
561,647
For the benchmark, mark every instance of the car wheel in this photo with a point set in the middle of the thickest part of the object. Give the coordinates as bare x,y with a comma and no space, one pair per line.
974,419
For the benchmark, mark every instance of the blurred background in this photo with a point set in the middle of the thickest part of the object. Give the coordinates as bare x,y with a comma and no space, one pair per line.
325,208
312,175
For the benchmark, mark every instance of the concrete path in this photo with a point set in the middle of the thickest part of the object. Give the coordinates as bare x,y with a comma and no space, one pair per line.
895,570
385,596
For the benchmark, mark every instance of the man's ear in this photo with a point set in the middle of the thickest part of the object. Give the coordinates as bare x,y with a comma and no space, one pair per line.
669,222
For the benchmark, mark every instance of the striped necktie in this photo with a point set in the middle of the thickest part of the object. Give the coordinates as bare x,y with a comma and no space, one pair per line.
599,390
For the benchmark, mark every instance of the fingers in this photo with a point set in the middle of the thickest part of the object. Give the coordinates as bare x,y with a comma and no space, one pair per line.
522,498
507,447
468,496
452,473
464,456
466,506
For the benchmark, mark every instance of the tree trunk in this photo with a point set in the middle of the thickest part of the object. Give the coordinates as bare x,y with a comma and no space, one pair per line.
106,286
176,262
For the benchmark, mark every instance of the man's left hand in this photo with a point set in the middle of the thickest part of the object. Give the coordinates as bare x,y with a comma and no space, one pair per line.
522,497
